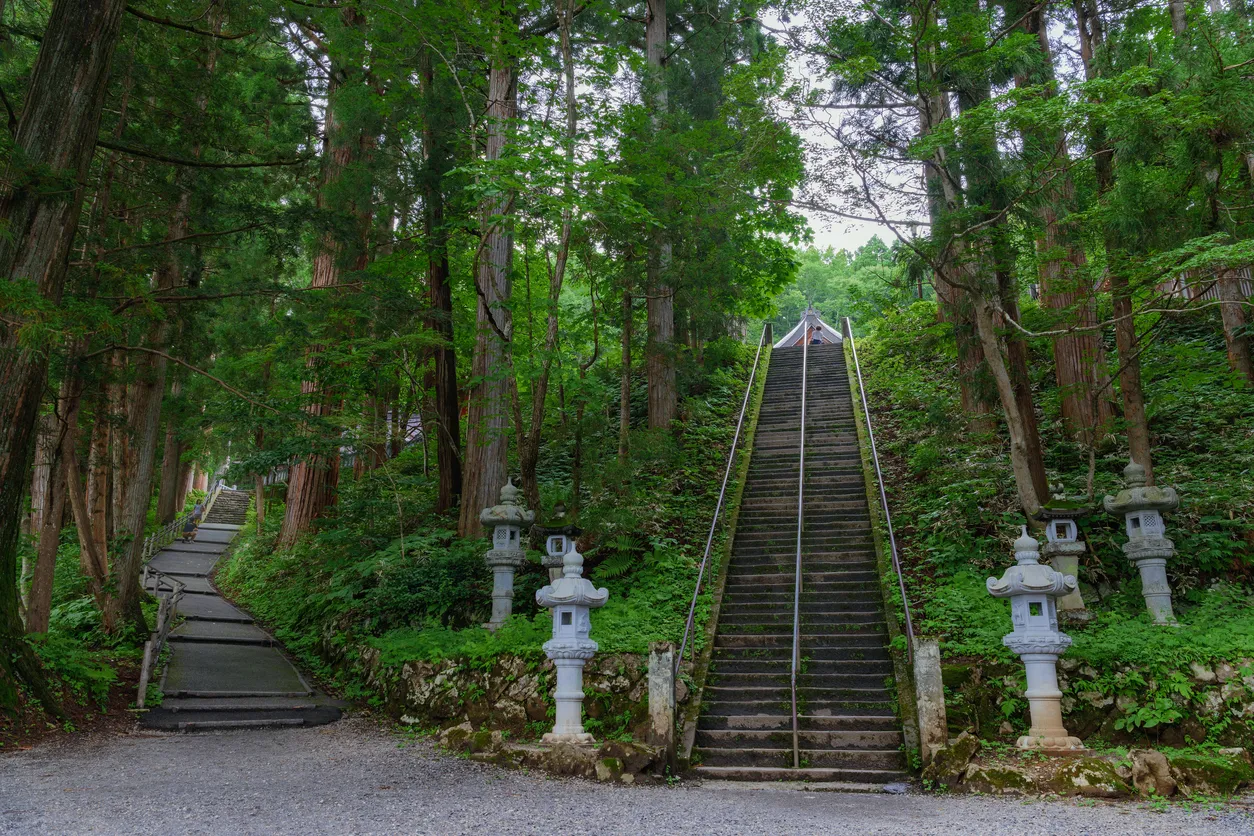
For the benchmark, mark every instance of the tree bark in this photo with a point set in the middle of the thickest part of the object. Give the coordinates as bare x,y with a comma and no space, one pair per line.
1079,358
1092,39
447,424
1231,309
39,602
1021,454
167,494
660,303
96,526
312,481
624,390
56,135
487,424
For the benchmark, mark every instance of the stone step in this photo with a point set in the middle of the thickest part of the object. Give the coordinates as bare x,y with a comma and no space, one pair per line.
773,585
847,780
741,619
884,722
843,639
781,707
853,740
817,654
807,680
781,666
877,759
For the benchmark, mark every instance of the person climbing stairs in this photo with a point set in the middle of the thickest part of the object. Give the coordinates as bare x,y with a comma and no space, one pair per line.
848,729
224,671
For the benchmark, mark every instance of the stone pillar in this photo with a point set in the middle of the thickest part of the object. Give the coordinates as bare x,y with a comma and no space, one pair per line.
930,698
662,697
1033,589
572,598
1147,547
507,553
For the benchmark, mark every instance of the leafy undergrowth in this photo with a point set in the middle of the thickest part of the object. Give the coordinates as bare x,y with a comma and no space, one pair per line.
388,570
953,501
93,676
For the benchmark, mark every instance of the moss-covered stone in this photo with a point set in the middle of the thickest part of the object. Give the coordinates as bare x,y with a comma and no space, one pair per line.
1089,777
1000,779
950,762
1218,775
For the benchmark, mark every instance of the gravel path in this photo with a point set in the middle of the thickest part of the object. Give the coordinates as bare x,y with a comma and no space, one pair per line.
353,777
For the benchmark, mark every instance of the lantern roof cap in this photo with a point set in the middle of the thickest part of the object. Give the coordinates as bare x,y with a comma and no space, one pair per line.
1028,576
1138,496
572,588
510,511
1064,509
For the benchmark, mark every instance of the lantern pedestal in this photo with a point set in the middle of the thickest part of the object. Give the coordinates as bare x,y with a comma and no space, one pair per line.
503,563
572,598
569,657
1040,660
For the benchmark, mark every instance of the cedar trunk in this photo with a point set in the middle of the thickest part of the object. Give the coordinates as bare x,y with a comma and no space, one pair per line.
447,423
660,303
1232,311
313,480
56,134
1092,39
487,424
1079,358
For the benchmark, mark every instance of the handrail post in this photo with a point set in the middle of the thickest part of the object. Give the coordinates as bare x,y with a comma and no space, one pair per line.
879,478
796,595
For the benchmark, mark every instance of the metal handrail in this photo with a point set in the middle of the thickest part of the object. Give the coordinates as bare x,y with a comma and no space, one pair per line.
879,477
796,595
709,540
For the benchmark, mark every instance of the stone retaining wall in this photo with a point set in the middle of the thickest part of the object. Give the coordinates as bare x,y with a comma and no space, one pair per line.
513,695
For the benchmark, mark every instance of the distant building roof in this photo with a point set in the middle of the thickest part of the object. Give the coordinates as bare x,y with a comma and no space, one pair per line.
810,319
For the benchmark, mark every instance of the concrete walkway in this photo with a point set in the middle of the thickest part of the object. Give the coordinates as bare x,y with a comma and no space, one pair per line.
224,670
354,777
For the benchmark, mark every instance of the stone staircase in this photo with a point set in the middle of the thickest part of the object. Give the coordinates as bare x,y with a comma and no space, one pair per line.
849,732
224,671
230,508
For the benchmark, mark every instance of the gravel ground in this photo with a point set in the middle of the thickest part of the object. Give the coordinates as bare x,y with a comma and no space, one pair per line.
354,777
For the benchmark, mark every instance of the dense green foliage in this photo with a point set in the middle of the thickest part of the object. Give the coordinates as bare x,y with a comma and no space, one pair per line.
954,506
388,571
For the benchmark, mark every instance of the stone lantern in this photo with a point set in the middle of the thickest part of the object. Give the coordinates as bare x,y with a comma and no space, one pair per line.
1032,588
506,555
1147,548
1064,549
571,597
559,537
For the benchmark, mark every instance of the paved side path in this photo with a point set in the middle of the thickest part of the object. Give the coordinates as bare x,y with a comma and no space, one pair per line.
352,777
225,671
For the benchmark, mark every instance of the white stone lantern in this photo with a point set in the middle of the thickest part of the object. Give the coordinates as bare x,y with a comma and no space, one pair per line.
1147,547
1032,589
1063,550
572,597
507,554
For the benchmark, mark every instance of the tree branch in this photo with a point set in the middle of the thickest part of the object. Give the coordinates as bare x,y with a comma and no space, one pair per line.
228,387
174,24
152,155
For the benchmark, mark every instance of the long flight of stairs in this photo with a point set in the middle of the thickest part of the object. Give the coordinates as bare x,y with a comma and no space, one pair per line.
848,729
224,671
